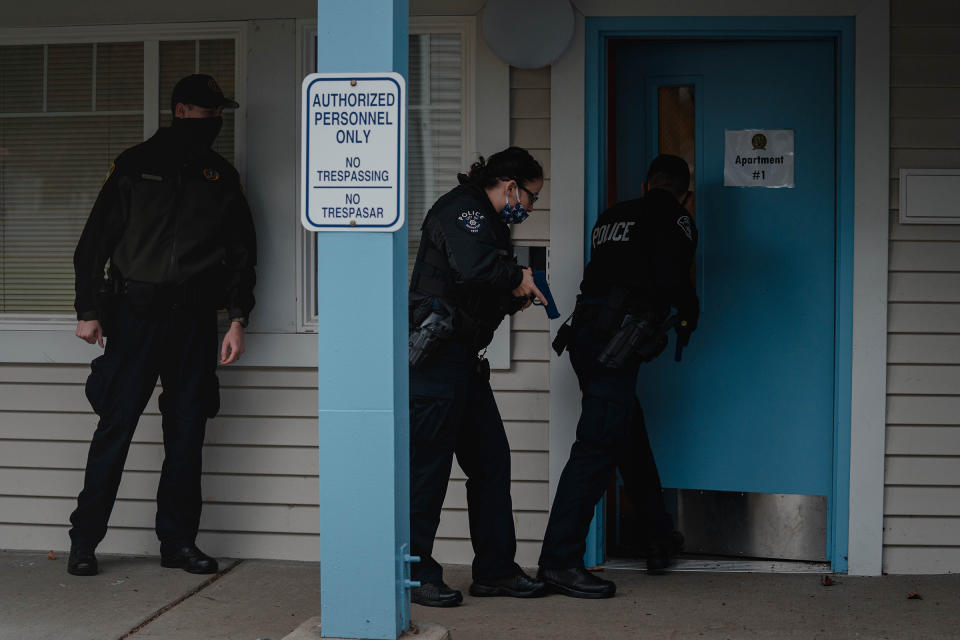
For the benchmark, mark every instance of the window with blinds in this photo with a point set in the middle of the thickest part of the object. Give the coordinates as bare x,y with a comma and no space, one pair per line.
435,134
66,111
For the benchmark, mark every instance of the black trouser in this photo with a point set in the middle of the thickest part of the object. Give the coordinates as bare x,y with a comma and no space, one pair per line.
610,434
178,345
452,410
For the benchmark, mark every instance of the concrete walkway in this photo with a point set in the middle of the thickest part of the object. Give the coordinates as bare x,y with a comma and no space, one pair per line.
133,597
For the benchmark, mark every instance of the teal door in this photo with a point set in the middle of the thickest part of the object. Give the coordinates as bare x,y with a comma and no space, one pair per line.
751,406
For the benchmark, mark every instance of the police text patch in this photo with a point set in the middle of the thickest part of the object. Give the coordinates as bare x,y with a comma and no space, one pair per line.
471,221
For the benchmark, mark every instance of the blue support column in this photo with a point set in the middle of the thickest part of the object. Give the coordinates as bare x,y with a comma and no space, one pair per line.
363,382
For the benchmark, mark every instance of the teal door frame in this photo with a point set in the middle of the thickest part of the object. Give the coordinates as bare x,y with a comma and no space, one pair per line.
841,30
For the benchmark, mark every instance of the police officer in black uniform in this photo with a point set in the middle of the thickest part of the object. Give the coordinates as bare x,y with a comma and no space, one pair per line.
172,222
642,251
465,279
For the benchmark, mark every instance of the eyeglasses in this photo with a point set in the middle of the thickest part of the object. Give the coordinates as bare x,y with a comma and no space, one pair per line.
533,197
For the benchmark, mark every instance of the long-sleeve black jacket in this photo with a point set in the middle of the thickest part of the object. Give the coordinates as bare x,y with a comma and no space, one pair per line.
646,247
466,261
170,214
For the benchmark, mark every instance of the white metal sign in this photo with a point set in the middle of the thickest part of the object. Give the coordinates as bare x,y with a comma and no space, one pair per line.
758,158
353,155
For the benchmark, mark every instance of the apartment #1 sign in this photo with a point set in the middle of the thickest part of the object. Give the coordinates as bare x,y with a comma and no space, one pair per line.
758,158
354,152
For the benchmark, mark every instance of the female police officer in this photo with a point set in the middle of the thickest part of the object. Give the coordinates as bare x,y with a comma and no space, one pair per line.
464,282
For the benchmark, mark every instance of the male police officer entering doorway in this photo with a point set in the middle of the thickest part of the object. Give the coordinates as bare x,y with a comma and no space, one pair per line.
639,269
173,223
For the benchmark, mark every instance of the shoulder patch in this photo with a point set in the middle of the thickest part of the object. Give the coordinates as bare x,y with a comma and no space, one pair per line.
113,167
211,175
684,223
471,221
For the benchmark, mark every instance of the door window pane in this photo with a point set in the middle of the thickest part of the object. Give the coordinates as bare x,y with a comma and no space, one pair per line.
677,130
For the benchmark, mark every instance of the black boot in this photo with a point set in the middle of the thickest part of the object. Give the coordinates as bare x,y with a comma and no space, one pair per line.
82,562
661,553
576,582
188,558
518,585
435,594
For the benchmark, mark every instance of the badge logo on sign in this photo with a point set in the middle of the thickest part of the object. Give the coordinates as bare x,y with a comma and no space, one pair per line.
759,141
471,221
211,175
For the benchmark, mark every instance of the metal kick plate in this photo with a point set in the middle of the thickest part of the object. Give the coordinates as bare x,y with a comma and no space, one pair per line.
753,525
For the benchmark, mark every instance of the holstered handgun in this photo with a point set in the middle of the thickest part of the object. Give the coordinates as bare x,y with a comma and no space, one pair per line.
639,339
428,336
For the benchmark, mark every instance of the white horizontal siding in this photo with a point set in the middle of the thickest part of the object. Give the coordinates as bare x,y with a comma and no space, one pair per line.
928,380
245,401
231,459
923,317
459,547
917,348
142,485
913,440
922,493
143,541
921,501
260,464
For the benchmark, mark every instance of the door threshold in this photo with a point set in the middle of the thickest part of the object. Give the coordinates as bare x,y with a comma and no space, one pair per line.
727,565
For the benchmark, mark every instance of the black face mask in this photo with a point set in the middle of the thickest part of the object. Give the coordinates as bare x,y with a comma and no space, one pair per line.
198,132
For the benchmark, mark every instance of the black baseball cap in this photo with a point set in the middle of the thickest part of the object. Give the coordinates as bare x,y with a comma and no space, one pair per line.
674,169
201,90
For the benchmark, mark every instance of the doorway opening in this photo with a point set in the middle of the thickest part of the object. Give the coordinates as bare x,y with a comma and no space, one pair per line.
743,429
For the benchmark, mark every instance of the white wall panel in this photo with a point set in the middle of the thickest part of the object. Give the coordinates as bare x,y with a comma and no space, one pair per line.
921,531
921,560
923,317
907,348
923,470
943,410
923,440
527,495
460,552
922,501
929,380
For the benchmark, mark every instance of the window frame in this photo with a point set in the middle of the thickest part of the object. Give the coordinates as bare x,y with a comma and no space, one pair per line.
150,35
466,28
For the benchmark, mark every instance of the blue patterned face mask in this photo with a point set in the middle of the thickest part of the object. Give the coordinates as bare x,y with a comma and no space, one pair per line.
513,214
